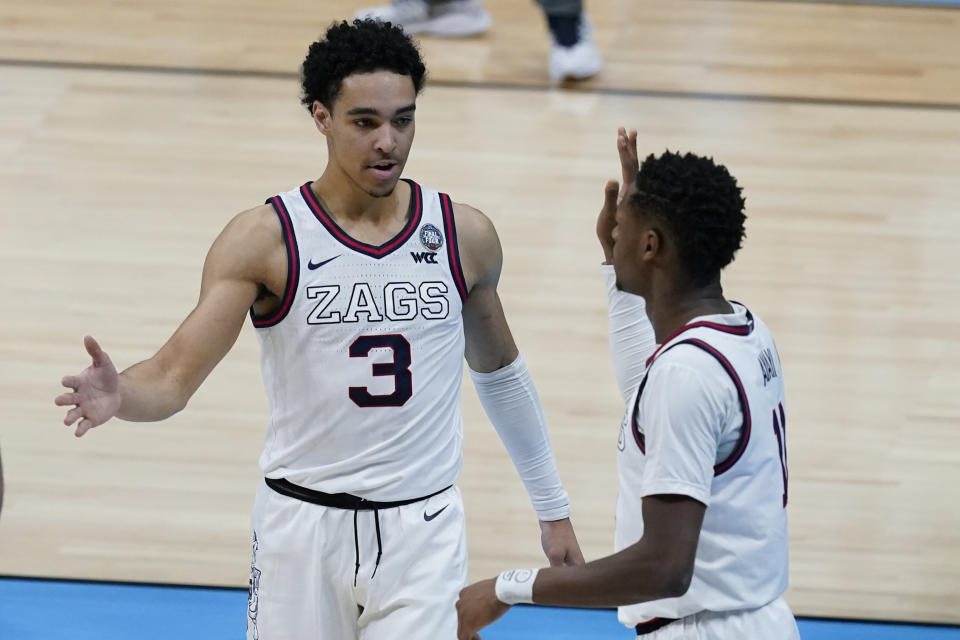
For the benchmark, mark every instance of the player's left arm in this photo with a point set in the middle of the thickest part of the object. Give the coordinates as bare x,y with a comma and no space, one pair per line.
505,388
659,566
682,436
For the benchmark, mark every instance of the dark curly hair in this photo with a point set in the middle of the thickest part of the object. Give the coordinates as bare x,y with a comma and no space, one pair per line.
701,207
362,46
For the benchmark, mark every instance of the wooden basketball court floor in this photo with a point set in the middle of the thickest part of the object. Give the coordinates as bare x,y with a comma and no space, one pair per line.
130,132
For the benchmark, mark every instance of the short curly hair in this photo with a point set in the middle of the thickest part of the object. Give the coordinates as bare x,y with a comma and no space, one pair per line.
363,46
701,206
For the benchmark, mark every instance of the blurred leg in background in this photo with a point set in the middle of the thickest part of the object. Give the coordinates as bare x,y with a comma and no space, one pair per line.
573,56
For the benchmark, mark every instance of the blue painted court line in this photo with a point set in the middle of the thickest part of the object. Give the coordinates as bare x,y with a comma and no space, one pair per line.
63,610
59,610
526,623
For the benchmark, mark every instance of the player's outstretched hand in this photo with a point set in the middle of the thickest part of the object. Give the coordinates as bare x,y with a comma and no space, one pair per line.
560,543
478,607
629,160
96,391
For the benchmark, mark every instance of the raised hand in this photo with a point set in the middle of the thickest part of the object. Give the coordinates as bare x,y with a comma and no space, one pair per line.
96,391
629,161
614,192
607,220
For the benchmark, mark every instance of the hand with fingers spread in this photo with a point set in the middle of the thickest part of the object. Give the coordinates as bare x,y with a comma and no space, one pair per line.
96,391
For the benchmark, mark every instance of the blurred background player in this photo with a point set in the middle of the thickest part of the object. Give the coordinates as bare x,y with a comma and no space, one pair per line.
573,56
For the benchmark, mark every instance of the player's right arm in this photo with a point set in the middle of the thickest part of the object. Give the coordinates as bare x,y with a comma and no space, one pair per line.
245,261
632,339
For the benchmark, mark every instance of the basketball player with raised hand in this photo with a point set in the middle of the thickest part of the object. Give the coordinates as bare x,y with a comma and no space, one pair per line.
701,530
366,292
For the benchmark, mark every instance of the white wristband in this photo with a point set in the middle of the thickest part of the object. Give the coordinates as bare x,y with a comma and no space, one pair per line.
515,586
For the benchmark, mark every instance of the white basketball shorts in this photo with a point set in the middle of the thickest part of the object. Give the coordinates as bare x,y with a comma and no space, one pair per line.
774,621
305,582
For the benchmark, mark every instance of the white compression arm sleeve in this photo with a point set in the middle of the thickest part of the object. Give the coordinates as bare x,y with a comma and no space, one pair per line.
511,402
632,339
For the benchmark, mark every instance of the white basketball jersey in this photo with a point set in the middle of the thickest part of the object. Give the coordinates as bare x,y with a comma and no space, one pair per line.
363,359
742,556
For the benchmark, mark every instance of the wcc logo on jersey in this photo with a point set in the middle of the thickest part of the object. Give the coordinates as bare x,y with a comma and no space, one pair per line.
432,239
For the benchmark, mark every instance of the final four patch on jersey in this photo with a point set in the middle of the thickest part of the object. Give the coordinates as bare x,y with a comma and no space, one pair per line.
431,237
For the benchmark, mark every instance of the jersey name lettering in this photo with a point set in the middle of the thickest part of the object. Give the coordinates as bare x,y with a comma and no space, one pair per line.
395,301
767,366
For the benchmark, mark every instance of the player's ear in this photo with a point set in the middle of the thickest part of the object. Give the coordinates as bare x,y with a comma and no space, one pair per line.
321,117
651,243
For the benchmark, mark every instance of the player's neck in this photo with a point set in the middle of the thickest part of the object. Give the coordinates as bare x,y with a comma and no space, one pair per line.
347,203
673,306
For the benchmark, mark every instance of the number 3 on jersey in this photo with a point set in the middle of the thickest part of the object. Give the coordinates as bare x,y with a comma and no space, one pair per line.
399,369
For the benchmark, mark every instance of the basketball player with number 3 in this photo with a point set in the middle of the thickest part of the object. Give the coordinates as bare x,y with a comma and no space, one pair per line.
366,292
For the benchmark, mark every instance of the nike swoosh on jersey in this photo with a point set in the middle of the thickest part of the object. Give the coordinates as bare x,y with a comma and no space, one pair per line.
312,266
428,518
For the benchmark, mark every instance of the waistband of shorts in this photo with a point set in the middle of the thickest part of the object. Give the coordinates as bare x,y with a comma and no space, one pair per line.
338,500
652,625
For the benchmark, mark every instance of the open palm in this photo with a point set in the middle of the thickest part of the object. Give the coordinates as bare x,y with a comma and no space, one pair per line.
96,391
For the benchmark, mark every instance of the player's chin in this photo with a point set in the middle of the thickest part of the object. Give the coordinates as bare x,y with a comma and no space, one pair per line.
381,186
382,189
624,284
618,281
381,192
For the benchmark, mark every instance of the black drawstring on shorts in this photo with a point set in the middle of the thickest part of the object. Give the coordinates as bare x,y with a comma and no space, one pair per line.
346,501
376,520
356,548
356,545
